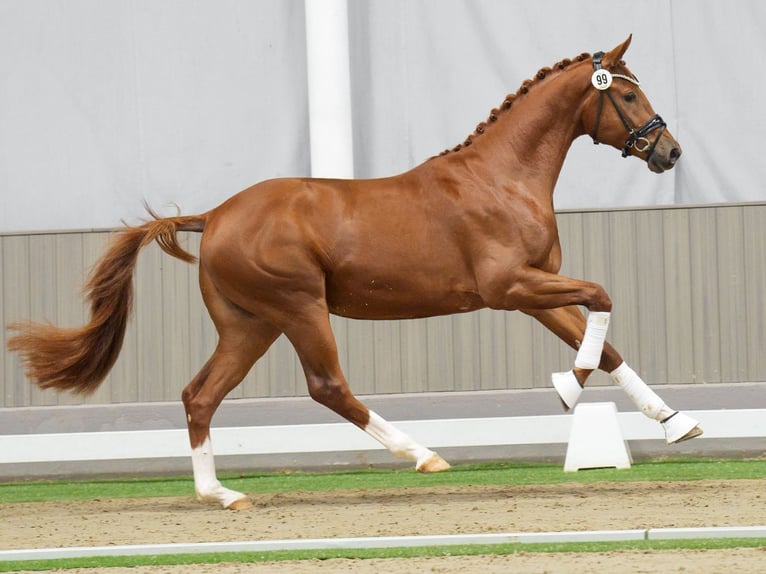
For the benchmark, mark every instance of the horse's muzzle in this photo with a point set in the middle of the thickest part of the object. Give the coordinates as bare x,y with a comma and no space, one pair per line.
664,156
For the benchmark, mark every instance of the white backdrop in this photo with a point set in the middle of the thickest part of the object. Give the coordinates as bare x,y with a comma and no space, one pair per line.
106,103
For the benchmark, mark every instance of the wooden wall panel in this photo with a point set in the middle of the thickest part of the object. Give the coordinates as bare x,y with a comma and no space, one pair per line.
754,231
687,286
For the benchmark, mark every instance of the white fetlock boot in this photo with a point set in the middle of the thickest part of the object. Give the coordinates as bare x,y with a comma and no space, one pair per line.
568,388
680,427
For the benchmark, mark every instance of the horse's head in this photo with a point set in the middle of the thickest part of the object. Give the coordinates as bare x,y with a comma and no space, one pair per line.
618,113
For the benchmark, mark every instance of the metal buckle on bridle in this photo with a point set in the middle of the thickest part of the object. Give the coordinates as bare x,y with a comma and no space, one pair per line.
636,138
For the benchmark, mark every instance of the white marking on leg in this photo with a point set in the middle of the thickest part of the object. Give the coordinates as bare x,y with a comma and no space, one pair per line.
396,441
207,486
589,353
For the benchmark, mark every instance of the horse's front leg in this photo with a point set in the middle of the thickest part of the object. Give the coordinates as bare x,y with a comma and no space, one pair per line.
537,291
552,299
570,325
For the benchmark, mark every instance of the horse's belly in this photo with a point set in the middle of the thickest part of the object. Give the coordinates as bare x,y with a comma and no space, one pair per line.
381,299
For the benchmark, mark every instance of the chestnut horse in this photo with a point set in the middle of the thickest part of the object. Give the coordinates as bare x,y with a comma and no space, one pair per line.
471,228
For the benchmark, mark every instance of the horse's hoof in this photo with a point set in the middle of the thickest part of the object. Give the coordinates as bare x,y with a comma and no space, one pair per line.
241,504
568,388
695,432
680,427
434,463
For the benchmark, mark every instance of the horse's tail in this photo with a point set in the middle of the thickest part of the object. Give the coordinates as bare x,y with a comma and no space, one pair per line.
79,359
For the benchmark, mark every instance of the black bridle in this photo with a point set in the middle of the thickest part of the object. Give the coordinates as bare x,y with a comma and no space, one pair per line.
636,138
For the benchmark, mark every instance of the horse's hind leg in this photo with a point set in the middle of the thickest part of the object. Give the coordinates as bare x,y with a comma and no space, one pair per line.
243,340
569,324
312,337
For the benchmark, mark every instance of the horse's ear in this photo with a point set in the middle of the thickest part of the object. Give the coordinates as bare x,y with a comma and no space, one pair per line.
615,55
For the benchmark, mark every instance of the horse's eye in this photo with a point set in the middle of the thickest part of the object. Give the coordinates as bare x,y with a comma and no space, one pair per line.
630,97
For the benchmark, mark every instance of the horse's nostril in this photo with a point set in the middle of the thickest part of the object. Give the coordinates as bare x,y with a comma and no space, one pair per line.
675,153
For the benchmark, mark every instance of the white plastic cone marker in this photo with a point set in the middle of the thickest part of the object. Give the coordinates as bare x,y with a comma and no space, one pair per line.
568,388
595,440
589,353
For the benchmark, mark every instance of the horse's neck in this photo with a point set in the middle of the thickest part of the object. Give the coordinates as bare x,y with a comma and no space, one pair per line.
530,142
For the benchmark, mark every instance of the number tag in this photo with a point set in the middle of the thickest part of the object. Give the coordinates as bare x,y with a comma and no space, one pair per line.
601,79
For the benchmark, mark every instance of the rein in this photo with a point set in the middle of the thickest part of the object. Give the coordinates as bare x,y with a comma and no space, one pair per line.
636,137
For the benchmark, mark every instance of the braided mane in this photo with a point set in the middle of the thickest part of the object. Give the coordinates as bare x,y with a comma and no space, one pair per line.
495,113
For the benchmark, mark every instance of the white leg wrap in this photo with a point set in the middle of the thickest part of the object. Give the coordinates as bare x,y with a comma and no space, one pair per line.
568,387
396,441
207,486
647,401
677,425
589,353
